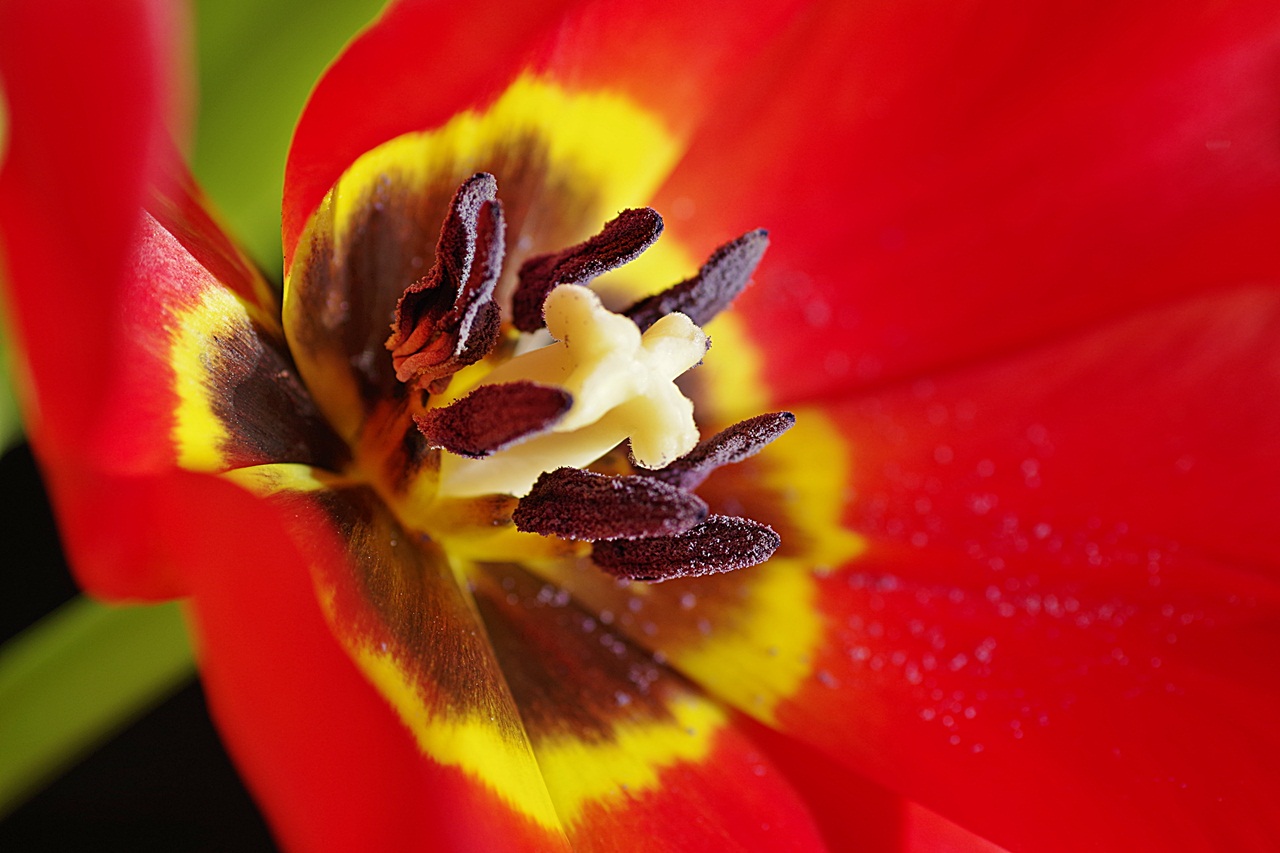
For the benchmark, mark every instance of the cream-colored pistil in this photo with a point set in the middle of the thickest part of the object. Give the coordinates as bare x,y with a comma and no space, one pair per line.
623,387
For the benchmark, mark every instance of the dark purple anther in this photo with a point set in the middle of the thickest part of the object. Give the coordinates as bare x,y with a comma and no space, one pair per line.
448,319
720,544
576,504
725,274
620,242
493,417
730,445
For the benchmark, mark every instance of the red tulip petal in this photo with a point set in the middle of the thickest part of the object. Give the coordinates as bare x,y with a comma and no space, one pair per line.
669,58
628,748
854,813
941,187
381,78
1065,598
73,72
208,383
327,757
394,603
202,381
1069,600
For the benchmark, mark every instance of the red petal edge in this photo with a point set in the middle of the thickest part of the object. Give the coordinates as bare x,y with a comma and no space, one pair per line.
74,72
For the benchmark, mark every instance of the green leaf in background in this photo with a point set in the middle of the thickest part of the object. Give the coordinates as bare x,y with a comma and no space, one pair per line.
257,62
10,422
75,678
10,419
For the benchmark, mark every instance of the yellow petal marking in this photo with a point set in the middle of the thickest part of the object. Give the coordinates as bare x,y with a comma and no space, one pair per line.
602,139
198,433
756,661
579,773
203,313
474,744
733,380
493,754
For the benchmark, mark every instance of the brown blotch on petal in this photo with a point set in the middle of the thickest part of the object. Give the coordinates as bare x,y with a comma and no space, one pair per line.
442,321
493,417
733,444
720,544
725,274
576,504
621,241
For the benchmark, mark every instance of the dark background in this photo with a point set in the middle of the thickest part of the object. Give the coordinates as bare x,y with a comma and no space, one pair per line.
164,783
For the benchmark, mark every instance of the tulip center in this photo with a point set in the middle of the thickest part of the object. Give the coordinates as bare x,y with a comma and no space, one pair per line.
554,387
600,382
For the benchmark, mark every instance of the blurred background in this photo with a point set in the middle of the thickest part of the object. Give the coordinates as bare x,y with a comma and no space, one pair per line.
135,764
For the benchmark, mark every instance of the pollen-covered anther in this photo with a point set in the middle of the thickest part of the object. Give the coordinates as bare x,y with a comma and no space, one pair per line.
493,417
733,444
719,544
724,275
449,319
575,504
620,242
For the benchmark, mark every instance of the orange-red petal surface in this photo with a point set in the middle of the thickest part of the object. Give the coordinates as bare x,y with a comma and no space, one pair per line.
1060,627
325,754
944,185
204,383
629,748
1064,628
104,73
670,58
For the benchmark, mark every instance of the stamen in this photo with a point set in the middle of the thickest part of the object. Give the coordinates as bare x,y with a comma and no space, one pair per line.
534,422
719,281
720,544
493,417
621,241
576,504
733,444
448,319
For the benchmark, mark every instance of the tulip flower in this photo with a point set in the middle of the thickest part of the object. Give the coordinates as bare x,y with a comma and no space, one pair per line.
1019,295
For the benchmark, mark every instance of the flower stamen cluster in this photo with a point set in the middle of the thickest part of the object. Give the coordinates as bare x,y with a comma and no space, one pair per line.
587,381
